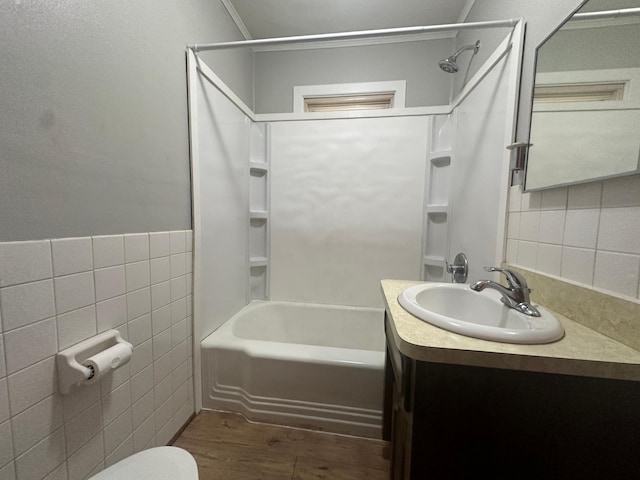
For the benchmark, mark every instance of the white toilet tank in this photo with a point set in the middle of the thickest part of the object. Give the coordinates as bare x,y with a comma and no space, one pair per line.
160,463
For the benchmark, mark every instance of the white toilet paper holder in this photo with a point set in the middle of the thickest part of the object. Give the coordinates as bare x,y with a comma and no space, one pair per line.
71,370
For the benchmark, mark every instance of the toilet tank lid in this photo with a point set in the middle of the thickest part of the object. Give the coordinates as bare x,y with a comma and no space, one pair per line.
159,463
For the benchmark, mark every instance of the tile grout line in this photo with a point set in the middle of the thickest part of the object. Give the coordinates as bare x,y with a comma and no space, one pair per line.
63,427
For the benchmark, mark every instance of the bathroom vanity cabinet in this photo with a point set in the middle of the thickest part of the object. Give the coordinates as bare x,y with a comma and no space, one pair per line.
474,407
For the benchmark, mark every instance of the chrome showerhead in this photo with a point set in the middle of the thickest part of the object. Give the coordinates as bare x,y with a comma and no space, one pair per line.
449,64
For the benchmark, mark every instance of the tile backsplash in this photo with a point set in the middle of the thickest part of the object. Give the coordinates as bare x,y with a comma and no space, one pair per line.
55,293
588,234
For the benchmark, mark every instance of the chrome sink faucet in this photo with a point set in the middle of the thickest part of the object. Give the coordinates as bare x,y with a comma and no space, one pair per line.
515,296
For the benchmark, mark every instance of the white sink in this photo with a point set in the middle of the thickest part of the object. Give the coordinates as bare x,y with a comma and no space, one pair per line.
457,308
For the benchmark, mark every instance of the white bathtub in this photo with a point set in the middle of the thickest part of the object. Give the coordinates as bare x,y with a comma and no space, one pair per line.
296,364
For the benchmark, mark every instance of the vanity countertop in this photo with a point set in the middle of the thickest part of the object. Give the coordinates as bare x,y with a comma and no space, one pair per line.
582,351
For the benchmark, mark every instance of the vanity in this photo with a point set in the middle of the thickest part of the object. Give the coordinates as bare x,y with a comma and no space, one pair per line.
459,407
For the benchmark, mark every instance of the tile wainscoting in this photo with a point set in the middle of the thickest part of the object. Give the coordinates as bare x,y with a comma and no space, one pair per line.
588,234
55,293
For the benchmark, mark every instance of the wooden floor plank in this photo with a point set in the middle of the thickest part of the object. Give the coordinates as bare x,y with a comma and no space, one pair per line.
218,461
233,428
313,469
226,445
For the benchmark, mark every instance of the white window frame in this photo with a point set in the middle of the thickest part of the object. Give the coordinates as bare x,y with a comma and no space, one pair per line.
398,87
630,97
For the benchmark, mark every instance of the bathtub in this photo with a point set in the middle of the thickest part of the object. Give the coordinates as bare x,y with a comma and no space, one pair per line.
304,365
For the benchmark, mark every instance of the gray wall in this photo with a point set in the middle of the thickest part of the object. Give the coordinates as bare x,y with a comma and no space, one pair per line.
542,18
591,49
416,62
93,113
277,72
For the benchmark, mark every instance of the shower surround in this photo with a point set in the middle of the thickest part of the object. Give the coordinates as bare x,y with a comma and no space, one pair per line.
318,208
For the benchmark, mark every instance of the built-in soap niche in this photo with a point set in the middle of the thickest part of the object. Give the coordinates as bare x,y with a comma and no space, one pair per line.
258,282
258,190
259,211
258,239
436,236
438,193
437,204
433,272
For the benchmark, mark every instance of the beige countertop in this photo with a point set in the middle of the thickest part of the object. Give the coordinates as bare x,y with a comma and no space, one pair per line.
582,351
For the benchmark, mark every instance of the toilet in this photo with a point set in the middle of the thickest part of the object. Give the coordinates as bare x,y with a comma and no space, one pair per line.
159,463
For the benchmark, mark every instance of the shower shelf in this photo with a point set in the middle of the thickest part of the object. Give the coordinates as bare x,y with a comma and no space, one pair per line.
437,208
258,261
259,166
258,215
259,218
441,159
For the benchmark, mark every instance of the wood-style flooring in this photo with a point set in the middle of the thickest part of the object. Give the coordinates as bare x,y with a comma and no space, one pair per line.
227,446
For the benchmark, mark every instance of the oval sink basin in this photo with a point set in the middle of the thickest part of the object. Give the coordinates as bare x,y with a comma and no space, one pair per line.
457,308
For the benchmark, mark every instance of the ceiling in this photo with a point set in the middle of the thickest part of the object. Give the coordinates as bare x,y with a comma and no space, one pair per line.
284,18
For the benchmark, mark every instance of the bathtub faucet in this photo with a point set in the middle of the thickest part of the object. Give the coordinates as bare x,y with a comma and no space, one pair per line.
515,296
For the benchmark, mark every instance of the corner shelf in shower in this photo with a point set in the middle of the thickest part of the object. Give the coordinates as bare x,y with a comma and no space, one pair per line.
437,208
258,261
259,224
259,167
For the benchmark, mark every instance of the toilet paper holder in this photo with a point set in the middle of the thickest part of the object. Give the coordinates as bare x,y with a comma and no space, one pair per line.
90,360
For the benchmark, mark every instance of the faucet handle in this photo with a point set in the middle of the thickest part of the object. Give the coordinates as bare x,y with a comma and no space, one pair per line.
459,269
514,279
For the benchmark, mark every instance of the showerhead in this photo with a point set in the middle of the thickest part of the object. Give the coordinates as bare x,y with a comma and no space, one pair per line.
449,64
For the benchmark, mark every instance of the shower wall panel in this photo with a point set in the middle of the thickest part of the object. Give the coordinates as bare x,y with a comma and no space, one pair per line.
222,214
346,207
480,172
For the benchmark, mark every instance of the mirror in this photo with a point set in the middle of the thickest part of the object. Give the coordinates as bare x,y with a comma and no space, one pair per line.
585,121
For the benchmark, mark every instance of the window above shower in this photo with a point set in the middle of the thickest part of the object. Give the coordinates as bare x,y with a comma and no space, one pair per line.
341,103
349,96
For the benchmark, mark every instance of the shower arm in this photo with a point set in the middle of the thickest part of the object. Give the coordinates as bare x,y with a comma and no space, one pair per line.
474,47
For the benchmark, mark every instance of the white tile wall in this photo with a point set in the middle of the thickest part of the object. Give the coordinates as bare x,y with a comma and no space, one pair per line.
24,304
22,262
138,275
578,264
587,233
110,282
617,271
55,293
3,368
75,326
71,255
111,313
25,346
159,244
4,401
74,291
136,247
108,251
